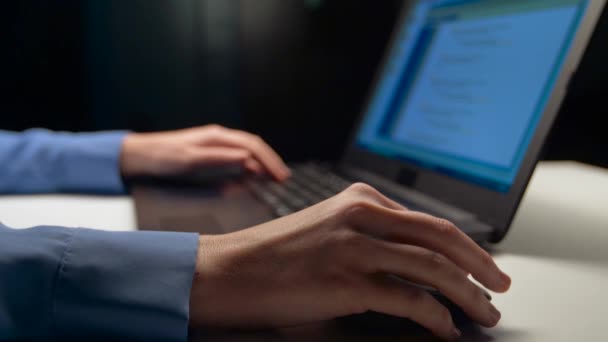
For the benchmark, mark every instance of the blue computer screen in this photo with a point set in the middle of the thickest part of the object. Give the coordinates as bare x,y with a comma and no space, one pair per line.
466,84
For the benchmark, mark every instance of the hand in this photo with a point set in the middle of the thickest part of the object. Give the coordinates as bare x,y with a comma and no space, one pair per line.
346,255
177,152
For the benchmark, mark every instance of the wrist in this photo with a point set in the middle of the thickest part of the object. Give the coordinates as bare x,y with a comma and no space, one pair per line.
209,295
131,159
195,292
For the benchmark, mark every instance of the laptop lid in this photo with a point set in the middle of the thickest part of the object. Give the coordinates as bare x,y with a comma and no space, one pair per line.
466,97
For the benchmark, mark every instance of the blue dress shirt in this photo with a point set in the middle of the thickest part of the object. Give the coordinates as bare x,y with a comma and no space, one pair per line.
63,282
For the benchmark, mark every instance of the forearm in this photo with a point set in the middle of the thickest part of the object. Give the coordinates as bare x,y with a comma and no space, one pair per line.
60,282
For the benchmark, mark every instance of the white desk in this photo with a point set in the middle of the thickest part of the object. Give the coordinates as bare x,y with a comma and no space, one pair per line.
556,251
99,212
557,254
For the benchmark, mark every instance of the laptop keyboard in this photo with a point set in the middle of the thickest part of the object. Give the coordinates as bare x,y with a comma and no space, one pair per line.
312,183
309,184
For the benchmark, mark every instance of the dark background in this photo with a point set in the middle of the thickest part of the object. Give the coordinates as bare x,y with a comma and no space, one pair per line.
294,71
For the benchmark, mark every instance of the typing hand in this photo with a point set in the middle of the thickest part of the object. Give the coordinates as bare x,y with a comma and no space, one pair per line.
176,152
338,258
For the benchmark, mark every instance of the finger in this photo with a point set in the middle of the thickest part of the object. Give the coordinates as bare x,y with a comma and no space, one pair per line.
388,296
374,195
263,153
254,166
435,234
212,156
421,265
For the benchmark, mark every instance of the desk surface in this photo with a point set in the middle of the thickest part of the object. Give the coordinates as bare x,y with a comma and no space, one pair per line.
555,252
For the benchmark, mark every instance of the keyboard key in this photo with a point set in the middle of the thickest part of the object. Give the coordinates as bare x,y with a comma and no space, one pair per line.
308,185
282,210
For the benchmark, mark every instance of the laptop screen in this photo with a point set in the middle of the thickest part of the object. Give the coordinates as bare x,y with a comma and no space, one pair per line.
466,84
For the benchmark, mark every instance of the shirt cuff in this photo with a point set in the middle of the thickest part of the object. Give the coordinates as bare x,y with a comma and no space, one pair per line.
91,162
132,285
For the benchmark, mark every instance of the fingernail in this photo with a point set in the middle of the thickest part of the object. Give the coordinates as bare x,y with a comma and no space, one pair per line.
456,333
505,280
494,314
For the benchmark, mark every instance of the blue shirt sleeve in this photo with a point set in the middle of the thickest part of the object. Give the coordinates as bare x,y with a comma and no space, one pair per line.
61,282
41,161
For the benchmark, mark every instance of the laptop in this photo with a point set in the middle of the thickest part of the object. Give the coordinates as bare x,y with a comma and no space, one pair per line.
454,124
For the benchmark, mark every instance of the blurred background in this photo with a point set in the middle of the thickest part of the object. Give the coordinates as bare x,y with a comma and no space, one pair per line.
294,71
